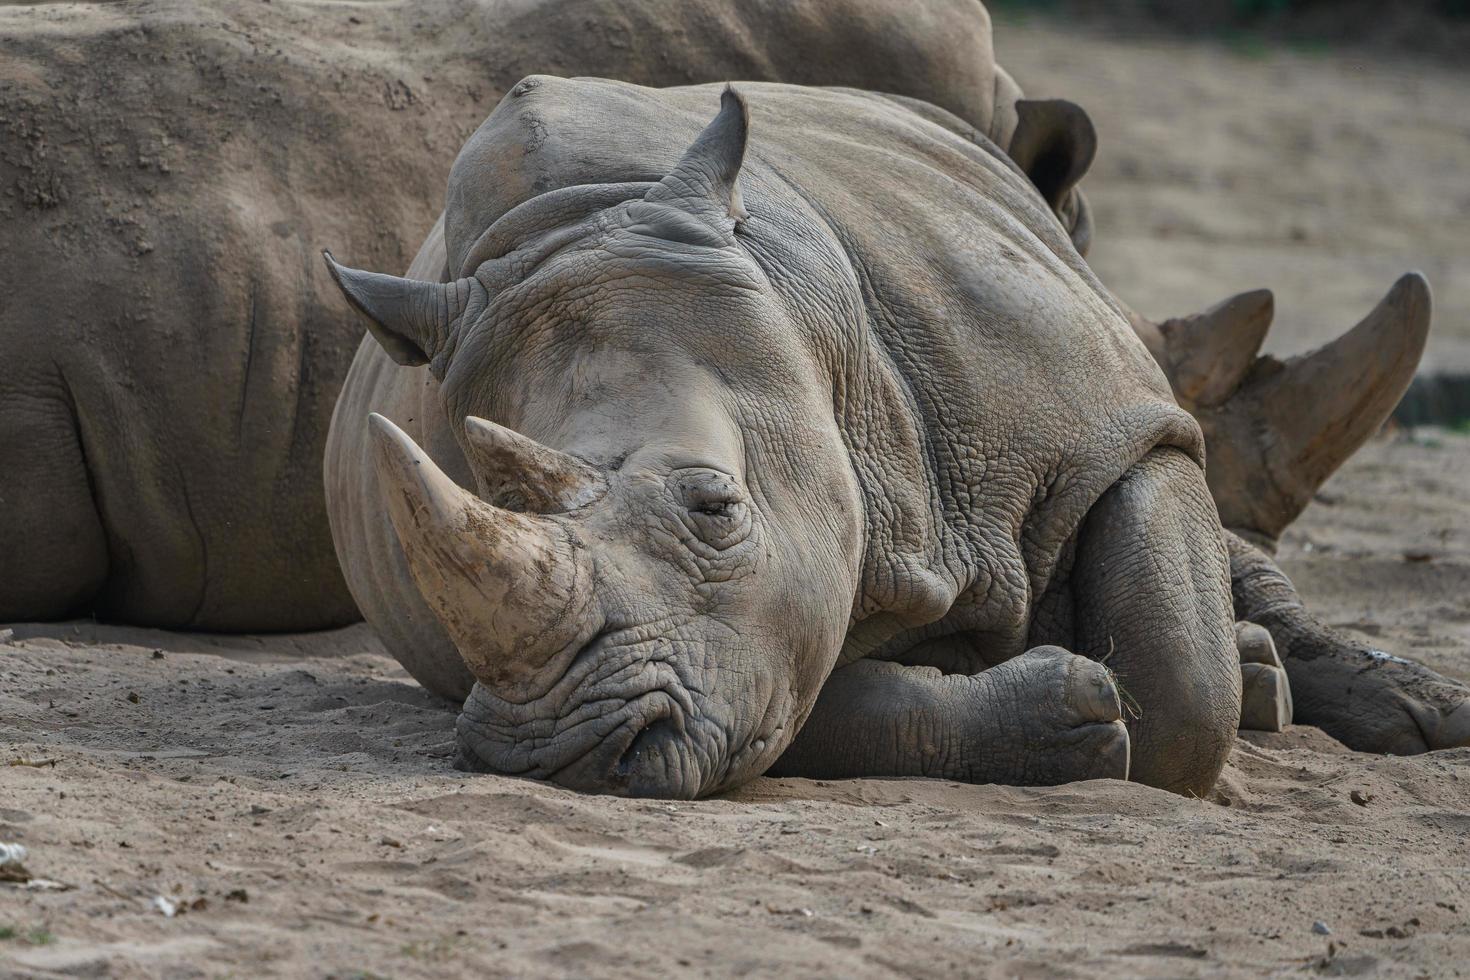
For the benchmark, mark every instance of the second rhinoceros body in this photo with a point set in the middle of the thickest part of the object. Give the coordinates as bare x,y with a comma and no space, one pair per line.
829,432
173,348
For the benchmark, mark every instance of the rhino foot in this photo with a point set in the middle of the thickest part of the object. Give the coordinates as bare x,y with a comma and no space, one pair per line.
1064,723
1265,690
1369,700
1372,701
1378,703
1044,718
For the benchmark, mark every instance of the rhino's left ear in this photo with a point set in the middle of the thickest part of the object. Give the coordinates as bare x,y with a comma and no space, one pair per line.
706,179
410,318
1054,144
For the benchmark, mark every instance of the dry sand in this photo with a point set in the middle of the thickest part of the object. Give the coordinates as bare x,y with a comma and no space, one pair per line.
292,798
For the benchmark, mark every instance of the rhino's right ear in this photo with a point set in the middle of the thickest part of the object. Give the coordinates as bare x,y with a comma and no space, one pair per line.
410,318
1054,143
706,179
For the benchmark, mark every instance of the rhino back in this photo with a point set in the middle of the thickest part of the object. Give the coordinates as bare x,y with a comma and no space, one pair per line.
173,347
967,289
160,260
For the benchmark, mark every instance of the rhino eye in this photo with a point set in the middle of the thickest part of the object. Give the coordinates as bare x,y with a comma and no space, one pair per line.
714,507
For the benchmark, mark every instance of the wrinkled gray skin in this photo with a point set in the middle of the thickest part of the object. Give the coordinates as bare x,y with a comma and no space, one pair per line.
827,456
881,464
173,347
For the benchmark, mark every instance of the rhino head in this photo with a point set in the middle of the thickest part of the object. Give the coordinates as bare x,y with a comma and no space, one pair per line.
655,572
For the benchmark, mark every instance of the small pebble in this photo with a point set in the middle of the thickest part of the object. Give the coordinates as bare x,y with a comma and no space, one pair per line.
1320,928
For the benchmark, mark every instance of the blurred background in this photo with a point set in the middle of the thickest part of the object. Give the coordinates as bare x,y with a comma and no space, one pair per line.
1316,148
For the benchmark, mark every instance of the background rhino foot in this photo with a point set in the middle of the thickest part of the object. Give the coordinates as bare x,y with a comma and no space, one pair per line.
1265,689
1369,700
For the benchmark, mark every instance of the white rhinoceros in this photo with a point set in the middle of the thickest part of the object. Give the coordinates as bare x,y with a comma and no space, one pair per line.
808,442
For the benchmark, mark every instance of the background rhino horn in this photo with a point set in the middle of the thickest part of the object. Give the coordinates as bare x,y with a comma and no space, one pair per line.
510,589
1210,352
1290,425
519,473
410,318
1327,403
707,175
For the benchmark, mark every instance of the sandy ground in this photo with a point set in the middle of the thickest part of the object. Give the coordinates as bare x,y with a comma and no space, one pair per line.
290,798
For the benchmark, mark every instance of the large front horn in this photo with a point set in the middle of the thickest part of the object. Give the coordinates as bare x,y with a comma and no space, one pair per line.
410,318
512,590
1290,425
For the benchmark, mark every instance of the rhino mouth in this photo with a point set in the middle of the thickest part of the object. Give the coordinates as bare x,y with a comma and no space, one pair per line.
655,753
620,723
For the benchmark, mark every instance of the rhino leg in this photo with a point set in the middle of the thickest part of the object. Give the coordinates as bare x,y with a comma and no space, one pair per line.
54,557
1152,600
1044,718
1369,700
1265,690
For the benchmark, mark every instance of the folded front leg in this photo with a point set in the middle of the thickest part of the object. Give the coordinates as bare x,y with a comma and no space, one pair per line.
1043,718
1151,591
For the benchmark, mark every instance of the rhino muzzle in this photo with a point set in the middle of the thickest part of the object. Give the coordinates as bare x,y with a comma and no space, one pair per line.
513,587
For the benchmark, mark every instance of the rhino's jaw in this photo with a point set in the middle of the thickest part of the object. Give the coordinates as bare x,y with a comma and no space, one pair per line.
629,719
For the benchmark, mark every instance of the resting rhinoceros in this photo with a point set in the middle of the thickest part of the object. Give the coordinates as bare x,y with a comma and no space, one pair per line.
807,444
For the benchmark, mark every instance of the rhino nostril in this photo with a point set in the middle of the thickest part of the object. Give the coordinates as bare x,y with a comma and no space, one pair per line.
648,743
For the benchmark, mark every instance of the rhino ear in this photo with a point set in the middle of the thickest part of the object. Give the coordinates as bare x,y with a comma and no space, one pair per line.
705,180
1054,144
410,318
